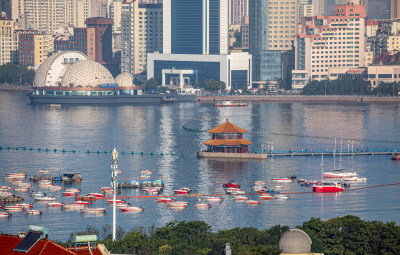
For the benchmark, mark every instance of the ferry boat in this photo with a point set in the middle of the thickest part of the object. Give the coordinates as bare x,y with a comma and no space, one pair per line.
230,104
327,187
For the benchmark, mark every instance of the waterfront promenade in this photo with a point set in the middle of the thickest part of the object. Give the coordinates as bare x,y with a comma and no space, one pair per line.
330,153
298,98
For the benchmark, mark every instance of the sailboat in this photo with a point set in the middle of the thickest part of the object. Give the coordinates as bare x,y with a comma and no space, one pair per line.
340,172
326,187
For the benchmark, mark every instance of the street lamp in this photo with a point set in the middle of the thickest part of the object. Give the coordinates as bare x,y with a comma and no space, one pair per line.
114,177
348,145
270,146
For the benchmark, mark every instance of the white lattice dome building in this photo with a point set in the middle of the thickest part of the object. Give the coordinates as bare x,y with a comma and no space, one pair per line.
124,80
86,73
295,241
71,69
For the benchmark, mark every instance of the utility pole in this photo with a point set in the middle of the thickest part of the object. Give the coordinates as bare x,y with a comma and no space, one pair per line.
114,177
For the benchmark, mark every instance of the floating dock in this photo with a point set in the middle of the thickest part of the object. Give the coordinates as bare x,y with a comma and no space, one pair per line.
222,155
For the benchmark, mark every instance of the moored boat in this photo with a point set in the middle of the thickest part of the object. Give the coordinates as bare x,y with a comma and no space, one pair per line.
33,212
265,197
355,179
131,209
5,214
53,198
327,187
252,202
20,175
13,208
282,179
117,201
38,194
202,206
82,202
93,194
24,205
338,174
230,104
21,189
73,190
395,156
240,198
54,204
235,191
93,210
164,199
68,194
281,197
213,199
73,207
231,184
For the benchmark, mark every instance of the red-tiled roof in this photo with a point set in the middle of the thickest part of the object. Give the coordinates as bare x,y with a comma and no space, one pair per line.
43,247
227,142
227,128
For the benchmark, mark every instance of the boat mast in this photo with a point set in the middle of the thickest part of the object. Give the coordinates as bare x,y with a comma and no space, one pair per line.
340,158
114,176
334,157
322,166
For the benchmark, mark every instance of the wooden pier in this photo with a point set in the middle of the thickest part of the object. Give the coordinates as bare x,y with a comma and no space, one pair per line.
329,153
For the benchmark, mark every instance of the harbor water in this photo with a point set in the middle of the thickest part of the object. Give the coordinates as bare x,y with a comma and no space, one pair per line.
169,151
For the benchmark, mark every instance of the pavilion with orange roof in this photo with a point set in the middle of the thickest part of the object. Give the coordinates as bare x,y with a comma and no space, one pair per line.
227,138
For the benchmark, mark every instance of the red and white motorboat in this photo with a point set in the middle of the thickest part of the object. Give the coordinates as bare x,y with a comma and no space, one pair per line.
252,202
131,209
177,204
202,206
13,208
96,195
68,194
93,210
152,191
55,188
234,191
117,201
240,198
122,205
33,212
105,189
5,214
82,202
24,205
5,193
5,188
73,190
73,207
327,187
231,184
213,199
265,197
181,192
282,179
55,204
338,174
21,189
20,175
164,199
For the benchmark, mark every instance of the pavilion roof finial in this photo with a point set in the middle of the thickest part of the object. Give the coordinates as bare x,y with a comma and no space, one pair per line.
227,119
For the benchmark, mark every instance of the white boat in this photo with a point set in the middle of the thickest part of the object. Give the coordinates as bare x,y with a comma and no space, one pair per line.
282,179
13,208
235,191
20,175
5,187
54,204
240,198
96,194
73,207
266,197
202,206
213,199
122,205
5,214
33,212
339,174
281,197
21,189
93,210
252,202
104,189
355,179
260,183
53,198
117,201
68,194
5,194
73,190
24,205
131,209
55,188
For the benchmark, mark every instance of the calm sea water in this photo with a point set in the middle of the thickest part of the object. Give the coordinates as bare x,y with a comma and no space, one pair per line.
158,128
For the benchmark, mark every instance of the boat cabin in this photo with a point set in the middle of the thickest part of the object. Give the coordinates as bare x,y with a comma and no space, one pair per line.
227,138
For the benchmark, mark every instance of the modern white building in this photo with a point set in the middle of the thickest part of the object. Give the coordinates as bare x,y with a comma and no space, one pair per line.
330,43
195,46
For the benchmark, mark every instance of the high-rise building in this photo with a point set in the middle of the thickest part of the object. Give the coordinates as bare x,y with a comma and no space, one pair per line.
195,46
102,38
34,47
273,24
244,29
44,15
320,7
142,34
9,41
394,9
238,9
195,27
330,45
77,11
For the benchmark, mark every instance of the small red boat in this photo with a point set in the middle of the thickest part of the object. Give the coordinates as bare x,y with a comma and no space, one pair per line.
240,198
4,215
13,208
231,184
117,201
24,205
82,202
96,195
68,194
202,206
252,202
265,196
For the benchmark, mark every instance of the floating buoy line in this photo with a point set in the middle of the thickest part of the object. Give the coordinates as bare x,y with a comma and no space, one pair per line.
73,151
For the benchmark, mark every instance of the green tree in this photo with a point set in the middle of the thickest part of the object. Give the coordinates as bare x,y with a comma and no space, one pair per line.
14,74
150,84
213,85
238,39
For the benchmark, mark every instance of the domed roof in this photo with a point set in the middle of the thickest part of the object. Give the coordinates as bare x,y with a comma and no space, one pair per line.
295,241
86,73
53,68
124,80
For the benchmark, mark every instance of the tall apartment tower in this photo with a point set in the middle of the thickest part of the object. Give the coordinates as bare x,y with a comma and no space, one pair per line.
45,15
330,45
77,11
394,9
273,24
34,47
142,33
195,27
238,9
102,39
320,7
9,40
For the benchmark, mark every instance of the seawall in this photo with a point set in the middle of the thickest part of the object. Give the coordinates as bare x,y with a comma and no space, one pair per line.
298,98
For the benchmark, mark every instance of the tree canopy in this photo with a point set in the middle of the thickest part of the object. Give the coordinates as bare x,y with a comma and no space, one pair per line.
14,74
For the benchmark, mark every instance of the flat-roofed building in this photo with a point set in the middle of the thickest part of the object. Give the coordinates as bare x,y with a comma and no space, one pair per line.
8,41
